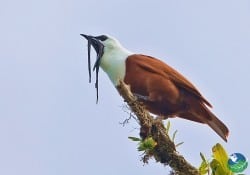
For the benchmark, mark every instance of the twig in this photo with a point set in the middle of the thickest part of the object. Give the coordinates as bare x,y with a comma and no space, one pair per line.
165,150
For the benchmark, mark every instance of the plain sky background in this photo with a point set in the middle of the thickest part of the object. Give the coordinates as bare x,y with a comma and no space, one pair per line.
49,121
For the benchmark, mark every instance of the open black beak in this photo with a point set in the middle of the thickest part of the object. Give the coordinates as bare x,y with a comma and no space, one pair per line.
99,48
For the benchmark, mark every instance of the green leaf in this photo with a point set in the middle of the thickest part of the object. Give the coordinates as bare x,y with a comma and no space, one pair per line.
147,145
135,139
174,134
168,127
221,156
219,164
203,157
217,168
204,167
179,144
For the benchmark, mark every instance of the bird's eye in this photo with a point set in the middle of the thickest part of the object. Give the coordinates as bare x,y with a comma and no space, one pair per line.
101,37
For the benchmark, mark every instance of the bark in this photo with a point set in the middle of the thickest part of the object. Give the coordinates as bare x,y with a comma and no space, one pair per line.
165,150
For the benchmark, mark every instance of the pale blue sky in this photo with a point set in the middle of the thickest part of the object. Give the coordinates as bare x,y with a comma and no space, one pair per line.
49,121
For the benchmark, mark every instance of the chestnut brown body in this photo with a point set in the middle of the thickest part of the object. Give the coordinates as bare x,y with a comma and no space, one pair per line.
167,93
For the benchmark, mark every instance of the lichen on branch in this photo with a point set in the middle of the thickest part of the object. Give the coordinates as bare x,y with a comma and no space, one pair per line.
165,149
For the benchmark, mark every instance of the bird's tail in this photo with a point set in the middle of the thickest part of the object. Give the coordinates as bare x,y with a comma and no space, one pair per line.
217,125
206,116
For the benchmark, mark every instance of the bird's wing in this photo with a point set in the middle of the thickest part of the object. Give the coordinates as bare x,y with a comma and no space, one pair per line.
156,66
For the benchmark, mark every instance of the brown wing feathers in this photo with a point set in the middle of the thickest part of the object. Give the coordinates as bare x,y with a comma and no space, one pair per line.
159,67
169,93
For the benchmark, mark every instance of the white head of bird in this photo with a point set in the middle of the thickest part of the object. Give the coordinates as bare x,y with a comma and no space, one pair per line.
113,61
113,58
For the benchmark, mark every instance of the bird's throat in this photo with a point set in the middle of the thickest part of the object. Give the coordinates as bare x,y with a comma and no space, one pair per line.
114,63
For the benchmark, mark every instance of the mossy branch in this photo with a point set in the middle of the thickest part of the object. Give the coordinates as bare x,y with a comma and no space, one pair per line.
165,149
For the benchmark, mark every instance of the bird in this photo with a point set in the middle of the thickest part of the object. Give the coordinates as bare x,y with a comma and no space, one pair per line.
159,87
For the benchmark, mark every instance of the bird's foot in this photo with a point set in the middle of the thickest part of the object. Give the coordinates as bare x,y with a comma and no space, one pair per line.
141,97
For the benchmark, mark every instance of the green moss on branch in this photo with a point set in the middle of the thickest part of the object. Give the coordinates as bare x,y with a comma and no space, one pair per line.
165,150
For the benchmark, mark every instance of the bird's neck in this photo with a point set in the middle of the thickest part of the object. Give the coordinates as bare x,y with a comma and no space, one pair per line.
113,62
